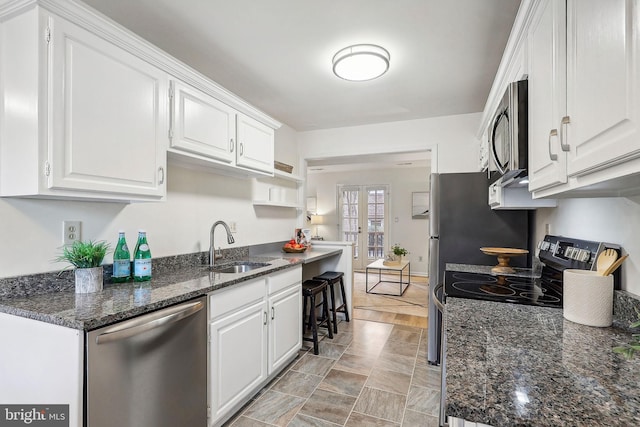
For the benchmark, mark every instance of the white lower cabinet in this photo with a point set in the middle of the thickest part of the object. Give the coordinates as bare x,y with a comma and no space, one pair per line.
285,321
41,363
255,329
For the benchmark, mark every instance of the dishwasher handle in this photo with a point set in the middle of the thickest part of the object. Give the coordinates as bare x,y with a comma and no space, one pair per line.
145,323
436,301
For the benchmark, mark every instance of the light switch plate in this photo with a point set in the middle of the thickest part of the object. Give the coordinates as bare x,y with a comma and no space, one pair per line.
71,232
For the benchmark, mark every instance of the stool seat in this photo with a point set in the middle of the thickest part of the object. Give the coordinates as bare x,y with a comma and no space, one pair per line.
310,289
333,277
313,286
330,275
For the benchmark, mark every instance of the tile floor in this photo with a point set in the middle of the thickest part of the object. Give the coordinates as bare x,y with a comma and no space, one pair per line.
370,374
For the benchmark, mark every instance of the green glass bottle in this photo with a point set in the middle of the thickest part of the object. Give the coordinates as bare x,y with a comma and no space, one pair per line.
121,260
142,259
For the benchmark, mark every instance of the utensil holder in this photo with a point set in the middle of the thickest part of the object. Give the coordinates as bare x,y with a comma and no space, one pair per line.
588,298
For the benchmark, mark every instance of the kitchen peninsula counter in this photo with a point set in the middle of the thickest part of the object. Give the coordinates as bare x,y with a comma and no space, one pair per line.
511,364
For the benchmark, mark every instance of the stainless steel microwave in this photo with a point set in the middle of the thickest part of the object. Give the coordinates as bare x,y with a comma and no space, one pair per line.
508,133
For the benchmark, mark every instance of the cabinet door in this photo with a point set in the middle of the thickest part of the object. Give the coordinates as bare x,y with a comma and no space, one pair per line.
546,48
201,124
237,353
602,83
108,116
285,327
255,145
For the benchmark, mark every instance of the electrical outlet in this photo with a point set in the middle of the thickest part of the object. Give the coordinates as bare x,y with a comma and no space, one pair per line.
232,226
71,232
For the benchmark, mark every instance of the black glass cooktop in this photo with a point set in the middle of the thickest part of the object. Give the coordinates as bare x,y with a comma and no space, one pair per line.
519,290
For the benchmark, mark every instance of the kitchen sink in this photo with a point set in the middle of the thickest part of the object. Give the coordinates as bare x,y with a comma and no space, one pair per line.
238,267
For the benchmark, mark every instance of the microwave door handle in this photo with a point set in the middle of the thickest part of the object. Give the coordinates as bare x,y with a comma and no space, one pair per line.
494,153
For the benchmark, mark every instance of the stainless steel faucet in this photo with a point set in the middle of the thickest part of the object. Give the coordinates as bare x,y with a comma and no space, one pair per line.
212,252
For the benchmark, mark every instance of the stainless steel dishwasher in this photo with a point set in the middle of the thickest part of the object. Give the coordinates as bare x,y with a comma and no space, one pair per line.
150,370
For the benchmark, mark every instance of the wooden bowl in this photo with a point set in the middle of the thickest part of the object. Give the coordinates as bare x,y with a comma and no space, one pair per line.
294,250
504,256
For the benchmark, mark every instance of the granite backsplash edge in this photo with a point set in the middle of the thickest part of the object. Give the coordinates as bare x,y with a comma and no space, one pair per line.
55,281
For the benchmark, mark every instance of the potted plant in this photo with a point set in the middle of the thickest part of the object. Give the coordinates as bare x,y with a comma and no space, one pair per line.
628,350
399,251
87,258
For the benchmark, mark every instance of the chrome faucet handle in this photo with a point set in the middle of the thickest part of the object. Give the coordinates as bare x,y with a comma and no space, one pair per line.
218,253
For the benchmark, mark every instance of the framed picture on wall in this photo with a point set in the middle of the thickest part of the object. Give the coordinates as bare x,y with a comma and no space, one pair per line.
420,205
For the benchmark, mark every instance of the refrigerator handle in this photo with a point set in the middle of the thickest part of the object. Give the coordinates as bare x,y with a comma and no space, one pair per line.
137,326
436,301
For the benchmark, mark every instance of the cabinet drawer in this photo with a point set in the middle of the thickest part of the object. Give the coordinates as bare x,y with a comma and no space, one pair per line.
281,280
236,296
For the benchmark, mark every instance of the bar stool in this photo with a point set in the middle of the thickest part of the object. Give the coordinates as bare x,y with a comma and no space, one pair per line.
333,277
310,290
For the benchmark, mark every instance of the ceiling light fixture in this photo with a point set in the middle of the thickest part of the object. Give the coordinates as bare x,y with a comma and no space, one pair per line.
361,62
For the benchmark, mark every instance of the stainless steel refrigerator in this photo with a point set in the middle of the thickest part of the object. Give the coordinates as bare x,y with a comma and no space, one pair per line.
460,223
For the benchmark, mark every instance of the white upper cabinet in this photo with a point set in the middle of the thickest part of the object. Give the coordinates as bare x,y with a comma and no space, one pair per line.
546,43
603,75
96,124
255,145
108,114
200,124
584,112
208,133
87,111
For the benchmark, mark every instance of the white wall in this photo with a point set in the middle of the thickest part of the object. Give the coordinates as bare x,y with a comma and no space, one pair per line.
31,229
412,234
451,137
613,220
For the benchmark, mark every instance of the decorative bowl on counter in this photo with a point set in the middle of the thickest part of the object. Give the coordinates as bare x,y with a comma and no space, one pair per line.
504,256
292,250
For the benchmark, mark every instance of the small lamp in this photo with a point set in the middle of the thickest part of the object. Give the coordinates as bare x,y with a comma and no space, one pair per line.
317,220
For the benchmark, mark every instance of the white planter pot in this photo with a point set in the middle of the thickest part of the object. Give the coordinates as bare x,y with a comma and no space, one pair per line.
88,280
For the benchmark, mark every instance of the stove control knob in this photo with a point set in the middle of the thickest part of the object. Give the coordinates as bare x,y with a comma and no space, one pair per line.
585,255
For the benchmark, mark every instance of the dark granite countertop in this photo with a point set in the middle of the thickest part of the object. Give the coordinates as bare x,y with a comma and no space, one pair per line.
510,364
122,301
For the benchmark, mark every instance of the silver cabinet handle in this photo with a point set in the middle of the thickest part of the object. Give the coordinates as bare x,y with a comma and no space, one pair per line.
563,124
438,304
265,318
150,321
273,313
161,174
231,145
241,149
554,132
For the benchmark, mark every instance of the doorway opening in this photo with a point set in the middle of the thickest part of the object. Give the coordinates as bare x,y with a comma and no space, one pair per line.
363,211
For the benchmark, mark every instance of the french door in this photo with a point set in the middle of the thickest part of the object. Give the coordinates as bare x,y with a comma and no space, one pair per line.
363,214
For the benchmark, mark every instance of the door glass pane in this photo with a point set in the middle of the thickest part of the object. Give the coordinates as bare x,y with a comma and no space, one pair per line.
375,223
350,214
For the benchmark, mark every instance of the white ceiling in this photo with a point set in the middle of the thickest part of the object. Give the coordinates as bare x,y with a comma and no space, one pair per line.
277,54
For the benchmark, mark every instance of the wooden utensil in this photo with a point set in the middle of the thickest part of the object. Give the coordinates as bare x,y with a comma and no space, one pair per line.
605,259
613,267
